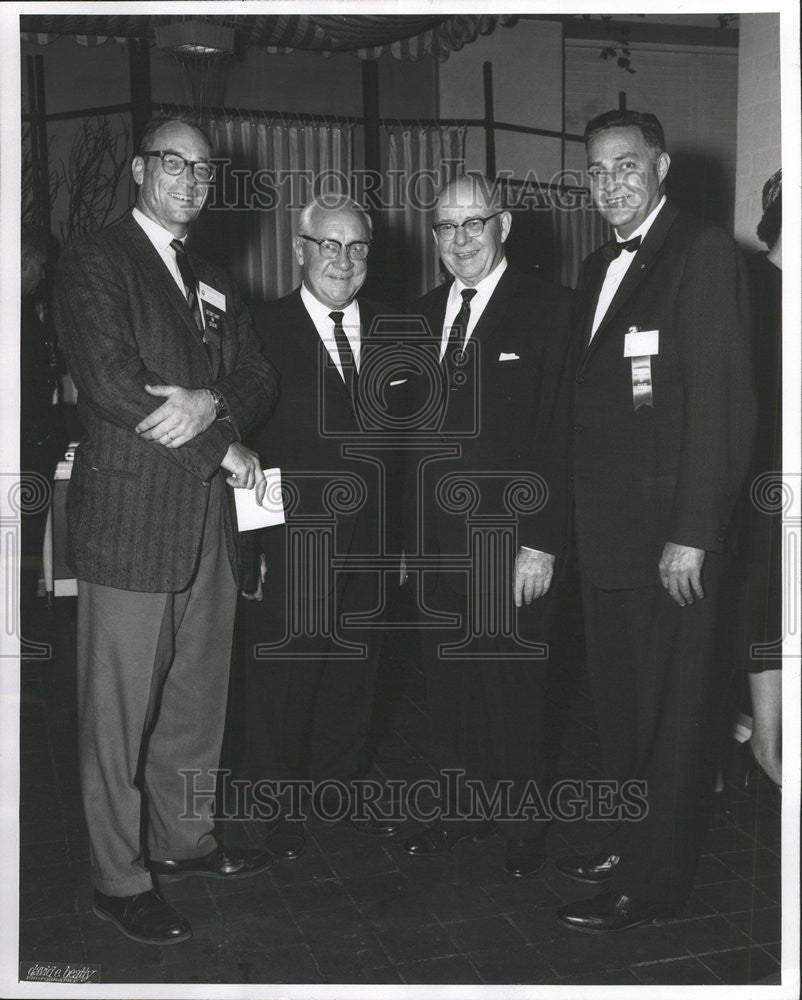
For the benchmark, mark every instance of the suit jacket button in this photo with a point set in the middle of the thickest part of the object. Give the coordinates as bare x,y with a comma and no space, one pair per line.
580,378
578,428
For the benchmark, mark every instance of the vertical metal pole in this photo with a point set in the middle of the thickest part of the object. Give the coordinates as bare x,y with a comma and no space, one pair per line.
490,134
370,113
562,87
141,95
39,164
380,281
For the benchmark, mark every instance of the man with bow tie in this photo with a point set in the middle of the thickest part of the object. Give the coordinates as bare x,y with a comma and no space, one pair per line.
662,420
309,698
498,343
169,378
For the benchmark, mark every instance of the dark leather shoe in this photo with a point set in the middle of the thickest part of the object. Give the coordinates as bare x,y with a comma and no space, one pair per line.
443,837
375,827
144,917
524,857
610,911
286,839
593,870
219,863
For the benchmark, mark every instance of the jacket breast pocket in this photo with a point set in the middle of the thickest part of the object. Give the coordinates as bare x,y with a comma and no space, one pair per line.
511,379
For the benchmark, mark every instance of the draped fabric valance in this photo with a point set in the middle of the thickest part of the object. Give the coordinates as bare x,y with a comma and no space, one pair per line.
407,37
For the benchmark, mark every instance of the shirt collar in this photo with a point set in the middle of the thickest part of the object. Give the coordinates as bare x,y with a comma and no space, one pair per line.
485,287
319,312
160,237
645,226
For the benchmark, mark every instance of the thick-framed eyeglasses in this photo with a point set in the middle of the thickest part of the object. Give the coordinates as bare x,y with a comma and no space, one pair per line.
331,249
446,231
175,164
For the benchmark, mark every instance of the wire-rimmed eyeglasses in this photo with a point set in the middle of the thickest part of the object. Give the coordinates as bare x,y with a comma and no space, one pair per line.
446,231
331,249
175,164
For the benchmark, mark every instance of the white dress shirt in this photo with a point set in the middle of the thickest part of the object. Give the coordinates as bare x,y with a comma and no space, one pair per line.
324,324
484,289
617,268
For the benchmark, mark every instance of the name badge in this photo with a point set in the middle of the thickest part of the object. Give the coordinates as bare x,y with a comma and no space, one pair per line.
212,296
638,343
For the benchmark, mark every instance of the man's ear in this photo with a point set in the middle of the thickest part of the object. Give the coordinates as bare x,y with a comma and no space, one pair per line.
138,170
663,163
506,225
298,247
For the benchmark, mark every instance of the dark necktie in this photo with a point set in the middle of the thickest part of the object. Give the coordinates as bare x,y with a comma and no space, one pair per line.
211,339
344,350
613,249
454,355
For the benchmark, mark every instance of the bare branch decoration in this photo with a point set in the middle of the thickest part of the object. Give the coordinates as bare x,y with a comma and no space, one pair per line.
98,159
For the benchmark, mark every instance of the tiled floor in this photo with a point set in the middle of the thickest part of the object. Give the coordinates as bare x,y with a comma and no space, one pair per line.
353,910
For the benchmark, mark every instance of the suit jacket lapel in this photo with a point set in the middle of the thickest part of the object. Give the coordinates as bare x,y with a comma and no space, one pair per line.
435,311
159,277
638,269
489,322
588,295
308,341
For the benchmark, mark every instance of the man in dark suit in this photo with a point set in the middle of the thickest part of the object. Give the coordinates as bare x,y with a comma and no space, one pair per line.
498,341
309,698
662,430
169,377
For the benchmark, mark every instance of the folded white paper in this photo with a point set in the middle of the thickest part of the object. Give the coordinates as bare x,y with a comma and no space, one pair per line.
250,515
508,357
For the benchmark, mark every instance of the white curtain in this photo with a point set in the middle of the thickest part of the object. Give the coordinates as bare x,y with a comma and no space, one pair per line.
282,166
420,160
577,231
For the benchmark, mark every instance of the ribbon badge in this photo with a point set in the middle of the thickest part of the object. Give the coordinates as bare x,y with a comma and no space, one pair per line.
639,346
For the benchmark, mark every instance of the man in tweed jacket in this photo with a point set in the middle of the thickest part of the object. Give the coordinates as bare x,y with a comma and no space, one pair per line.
169,377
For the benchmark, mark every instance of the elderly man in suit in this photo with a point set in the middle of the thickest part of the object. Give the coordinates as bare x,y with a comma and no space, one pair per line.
499,338
662,431
309,698
169,377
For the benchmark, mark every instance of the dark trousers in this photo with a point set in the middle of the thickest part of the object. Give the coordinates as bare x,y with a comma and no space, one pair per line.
653,676
487,714
152,680
308,704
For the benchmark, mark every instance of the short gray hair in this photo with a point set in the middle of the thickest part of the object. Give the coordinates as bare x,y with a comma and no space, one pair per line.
329,204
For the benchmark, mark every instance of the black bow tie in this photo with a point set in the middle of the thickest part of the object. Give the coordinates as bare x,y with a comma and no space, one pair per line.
613,249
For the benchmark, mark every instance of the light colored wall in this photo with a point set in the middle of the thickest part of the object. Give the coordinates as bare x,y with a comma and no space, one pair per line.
527,90
759,130
693,91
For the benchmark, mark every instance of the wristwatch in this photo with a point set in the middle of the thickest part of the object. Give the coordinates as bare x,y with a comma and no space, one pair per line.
220,405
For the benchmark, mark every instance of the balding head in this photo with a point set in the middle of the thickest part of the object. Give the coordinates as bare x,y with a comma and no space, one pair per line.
471,257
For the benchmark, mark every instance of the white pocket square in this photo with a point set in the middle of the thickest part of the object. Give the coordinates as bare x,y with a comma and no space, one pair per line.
508,357
398,381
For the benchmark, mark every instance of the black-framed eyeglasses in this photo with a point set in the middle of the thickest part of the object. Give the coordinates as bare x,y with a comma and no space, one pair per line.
175,164
331,249
446,231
